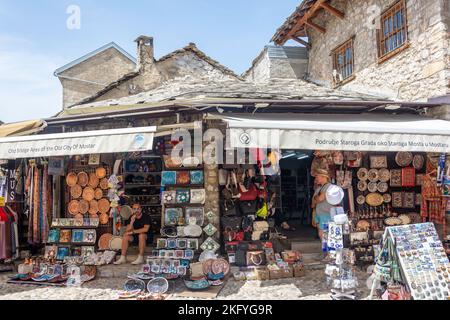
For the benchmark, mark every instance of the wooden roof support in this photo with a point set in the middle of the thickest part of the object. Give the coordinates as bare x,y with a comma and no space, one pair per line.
300,23
302,42
337,13
318,28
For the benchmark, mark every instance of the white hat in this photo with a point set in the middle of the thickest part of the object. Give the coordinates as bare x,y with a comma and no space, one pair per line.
334,195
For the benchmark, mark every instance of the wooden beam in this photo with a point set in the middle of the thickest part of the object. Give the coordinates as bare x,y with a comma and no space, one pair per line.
302,42
300,23
337,13
318,28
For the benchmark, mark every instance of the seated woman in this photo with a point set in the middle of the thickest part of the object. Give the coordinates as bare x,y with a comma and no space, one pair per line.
136,230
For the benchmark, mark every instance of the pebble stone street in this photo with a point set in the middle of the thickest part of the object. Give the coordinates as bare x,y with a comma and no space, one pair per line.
311,287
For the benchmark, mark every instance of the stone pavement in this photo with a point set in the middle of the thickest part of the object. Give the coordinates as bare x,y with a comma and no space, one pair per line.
110,281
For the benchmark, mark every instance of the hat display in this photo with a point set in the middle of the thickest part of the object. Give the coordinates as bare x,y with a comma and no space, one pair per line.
334,195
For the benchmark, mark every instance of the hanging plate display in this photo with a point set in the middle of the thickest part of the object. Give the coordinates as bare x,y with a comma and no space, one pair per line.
104,205
362,186
88,194
93,180
210,244
103,242
207,265
363,174
93,207
172,162
361,200
72,179
374,199
76,191
98,194
382,187
104,184
158,286
210,230
387,198
84,206
373,175
115,244
134,285
384,174
83,179
404,159
372,187
100,172
104,218
418,161
220,266
74,207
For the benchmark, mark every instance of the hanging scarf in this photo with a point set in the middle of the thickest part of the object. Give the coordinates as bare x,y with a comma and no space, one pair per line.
36,206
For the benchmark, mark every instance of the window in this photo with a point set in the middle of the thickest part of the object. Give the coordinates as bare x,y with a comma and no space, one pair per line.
393,35
343,61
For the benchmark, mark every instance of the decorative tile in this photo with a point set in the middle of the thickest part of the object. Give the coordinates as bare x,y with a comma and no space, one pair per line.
210,230
210,244
210,215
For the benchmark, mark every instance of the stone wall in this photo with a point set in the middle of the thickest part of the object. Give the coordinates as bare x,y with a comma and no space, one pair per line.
104,68
417,73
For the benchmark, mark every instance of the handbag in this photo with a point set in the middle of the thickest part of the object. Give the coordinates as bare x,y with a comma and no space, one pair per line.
233,223
229,208
248,207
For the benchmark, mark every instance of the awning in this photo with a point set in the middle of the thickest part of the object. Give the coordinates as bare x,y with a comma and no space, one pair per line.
78,143
338,132
22,128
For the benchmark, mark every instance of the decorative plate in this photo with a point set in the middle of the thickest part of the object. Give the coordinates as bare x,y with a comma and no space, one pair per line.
132,285
405,219
363,225
88,194
169,197
126,212
393,221
171,244
172,162
197,177
372,187
193,230
93,180
197,285
373,175
72,179
215,277
378,162
74,207
363,174
104,205
362,186
382,187
104,218
83,207
170,232
418,161
172,216
385,175
210,230
158,286
198,196
183,177
100,172
104,184
98,194
387,198
168,178
115,243
103,242
210,244
404,159
374,199
83,179
361,200
220,266
76,191
207,266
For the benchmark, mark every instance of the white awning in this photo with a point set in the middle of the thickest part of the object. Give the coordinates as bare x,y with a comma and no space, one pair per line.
338,132
78,143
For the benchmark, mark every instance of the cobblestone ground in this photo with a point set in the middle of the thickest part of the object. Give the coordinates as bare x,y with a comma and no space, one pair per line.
311,287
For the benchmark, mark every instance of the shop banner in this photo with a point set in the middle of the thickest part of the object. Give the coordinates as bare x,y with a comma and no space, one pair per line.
80,143
345,141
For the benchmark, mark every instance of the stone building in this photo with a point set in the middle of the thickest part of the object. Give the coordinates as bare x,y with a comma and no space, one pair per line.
111,73
397,49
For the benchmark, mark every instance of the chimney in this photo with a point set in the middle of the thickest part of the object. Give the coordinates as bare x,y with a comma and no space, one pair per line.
145,53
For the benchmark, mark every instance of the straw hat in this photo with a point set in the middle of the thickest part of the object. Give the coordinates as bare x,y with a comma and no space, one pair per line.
334,195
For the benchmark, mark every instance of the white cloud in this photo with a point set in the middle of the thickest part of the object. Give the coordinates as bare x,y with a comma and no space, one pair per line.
28,89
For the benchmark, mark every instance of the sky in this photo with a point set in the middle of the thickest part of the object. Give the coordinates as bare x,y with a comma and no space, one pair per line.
37,37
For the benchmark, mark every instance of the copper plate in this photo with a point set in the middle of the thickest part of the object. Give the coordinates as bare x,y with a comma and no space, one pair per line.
100,172
104,184
363,225
104,205
103,242
220,266
83,179
404,159
93,180
104,218
98,194
362,186
374,199
382,187
373,175
74,207
84,206
363,174
372,187
93,207
361,200
207,266
88,194
71,179
76,191
93,216
418,161
384,174
387,198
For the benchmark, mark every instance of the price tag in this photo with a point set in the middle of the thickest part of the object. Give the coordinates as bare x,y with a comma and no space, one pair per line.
2,201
